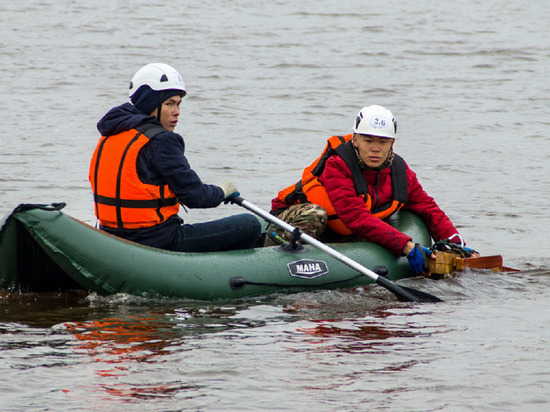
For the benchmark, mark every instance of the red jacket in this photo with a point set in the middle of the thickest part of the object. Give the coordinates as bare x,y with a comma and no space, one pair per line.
338,180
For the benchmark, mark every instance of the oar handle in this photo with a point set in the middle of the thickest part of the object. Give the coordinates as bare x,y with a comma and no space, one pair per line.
237,200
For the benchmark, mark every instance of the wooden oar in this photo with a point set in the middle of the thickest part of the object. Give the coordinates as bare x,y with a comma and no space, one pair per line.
449,262
404,293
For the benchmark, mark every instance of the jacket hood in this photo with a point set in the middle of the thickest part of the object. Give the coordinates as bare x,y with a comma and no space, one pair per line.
120,119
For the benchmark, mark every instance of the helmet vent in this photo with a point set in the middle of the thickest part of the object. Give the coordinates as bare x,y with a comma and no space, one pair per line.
357,121
158,76
375,120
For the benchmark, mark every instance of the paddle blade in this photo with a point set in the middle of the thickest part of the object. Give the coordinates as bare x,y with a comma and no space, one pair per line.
407,294
422,296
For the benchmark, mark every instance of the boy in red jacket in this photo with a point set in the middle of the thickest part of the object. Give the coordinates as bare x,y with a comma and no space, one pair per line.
358,182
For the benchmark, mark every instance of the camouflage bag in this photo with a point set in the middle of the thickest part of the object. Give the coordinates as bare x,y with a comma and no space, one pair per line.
308,217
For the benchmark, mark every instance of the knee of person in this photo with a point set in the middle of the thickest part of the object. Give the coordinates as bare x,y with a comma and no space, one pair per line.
256,225
252,222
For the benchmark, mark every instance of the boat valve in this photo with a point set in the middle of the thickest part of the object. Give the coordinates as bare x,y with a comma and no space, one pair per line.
237,282
381,270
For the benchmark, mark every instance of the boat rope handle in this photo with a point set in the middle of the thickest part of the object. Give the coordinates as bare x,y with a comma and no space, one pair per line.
238,282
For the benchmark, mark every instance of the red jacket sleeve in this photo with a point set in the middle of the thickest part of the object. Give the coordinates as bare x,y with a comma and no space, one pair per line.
439,225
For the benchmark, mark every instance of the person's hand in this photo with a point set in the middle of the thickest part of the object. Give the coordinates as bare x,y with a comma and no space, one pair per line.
461,244
470,252
417,260
229,191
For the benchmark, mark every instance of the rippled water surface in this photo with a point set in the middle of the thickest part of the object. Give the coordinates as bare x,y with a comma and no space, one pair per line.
268,82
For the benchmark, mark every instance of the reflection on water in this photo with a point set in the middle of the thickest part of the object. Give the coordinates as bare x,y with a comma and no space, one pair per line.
42,310
116,341
355,338
121,350
126,349
116,346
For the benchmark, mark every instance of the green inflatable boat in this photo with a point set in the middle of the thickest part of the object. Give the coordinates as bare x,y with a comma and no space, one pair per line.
43,249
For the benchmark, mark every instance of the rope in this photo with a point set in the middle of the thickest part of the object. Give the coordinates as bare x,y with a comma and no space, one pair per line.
446,246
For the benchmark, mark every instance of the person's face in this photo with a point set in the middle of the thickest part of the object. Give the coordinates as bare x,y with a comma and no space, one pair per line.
373,150
169,112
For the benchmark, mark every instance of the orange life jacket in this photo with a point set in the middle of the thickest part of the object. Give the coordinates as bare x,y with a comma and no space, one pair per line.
121,199
310,190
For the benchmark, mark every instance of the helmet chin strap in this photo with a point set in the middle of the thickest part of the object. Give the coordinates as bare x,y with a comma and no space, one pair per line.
161,100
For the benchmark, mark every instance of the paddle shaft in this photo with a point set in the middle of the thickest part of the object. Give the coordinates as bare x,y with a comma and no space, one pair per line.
404,293
306,238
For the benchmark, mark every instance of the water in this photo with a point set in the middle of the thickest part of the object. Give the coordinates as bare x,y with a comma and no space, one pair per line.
267,83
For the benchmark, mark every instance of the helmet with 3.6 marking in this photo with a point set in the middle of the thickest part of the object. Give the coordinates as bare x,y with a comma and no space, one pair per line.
375,121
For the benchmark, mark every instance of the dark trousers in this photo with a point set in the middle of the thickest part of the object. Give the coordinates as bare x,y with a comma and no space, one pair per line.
229,233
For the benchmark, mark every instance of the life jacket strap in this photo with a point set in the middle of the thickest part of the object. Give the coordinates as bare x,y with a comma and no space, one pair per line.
136,204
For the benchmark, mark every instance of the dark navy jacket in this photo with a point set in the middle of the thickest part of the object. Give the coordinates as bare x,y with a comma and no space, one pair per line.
161,161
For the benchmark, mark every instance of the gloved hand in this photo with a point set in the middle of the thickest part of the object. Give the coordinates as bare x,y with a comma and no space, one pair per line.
229,191
417,259
455,243
468,252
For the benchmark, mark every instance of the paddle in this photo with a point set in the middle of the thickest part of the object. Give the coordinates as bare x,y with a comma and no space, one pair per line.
404,293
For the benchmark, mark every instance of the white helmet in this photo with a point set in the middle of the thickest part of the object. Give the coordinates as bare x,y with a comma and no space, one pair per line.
375,121
158,76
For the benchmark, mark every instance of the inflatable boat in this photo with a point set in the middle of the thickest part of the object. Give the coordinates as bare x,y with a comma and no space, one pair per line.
42,249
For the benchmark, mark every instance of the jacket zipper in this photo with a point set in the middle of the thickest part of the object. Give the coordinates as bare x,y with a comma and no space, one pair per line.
375,191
